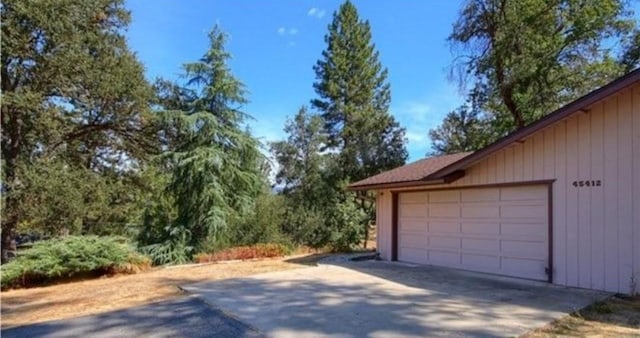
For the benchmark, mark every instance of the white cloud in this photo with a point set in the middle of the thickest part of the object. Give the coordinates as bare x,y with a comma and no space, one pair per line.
287,31
316,12
416,137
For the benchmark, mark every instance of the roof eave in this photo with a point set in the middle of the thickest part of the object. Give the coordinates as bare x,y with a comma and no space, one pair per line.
456,175
391,185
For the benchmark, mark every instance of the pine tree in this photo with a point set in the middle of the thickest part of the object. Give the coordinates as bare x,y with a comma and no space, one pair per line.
354,98
216,166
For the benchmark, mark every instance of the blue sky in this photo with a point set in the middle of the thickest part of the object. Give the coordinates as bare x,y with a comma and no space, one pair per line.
276,43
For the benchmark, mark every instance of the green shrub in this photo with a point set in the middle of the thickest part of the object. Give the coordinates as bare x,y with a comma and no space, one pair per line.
73,256
307,227
245,252
346,221
262,225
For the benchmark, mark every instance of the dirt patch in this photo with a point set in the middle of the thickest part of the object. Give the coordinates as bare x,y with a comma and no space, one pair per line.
28,306
614,317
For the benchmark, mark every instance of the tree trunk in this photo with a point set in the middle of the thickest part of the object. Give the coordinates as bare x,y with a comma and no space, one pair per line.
8,245
366,234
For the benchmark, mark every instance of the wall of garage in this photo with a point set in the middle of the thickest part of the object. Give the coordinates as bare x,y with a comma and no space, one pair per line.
594,158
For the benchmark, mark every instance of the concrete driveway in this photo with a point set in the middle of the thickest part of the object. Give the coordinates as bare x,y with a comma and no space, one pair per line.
382,299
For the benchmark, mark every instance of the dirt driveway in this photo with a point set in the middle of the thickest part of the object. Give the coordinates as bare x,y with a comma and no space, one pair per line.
378,299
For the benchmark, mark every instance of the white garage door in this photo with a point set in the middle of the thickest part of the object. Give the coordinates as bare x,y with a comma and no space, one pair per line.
495,230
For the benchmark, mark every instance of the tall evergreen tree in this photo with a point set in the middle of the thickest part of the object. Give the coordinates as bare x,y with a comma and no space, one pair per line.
353,98
72,93
216,166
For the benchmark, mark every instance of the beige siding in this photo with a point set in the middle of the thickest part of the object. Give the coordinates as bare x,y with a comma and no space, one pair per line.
596,230
383,221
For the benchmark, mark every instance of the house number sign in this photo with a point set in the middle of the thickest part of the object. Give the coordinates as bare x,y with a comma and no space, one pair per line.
591,183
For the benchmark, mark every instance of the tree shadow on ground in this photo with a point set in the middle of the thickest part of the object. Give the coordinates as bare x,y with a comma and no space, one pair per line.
185,317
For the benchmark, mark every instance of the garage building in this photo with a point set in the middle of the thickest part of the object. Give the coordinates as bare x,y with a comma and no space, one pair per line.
558,200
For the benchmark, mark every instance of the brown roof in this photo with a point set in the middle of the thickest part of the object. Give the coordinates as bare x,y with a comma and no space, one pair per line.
412,172
439,168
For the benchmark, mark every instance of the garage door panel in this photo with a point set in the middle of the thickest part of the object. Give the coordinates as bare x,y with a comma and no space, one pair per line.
438,226
477,262
413,197
526,268
480,228
479,195
438,242
484,245
413,224
524,229
529,249
495,230
413,240
413,255
446,258
444,196
476,212
412,211
523,211
444,210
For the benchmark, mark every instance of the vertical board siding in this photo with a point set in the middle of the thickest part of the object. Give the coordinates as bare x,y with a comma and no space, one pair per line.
596,209
635,101
572,202
625,194
596,230
560,205
610,188
584,200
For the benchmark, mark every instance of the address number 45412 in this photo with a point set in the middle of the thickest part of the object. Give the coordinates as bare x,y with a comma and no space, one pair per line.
592,183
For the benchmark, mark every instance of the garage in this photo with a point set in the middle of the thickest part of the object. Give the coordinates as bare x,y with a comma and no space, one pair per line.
496,230
557,200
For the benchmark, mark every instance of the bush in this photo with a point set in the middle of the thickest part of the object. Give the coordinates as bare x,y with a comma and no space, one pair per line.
346,223
307,227
73,256
263,224
245,252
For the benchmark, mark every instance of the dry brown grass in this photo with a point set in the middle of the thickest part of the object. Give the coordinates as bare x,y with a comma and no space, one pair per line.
28,306
614,317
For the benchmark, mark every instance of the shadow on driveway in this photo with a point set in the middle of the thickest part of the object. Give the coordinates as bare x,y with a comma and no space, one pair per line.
185,317
378,299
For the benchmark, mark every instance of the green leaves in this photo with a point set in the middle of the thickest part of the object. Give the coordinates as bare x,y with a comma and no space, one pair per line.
353,99
214,165
74,97
525,59
71,256
464,129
